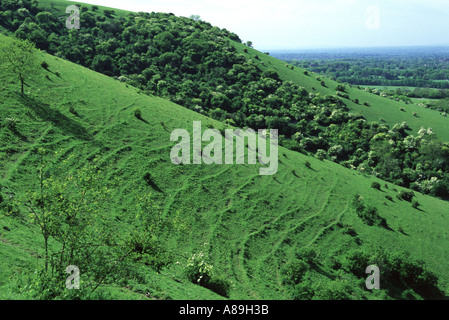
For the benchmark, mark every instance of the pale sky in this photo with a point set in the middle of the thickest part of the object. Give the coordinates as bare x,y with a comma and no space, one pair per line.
291,24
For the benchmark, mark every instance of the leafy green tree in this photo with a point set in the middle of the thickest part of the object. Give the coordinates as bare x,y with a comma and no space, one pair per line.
18,56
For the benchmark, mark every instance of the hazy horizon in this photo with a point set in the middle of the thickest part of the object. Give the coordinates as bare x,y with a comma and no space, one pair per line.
319,24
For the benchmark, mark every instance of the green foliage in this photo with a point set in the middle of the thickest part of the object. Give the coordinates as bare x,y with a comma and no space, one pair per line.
369,214
375,185
294,271
11,124
341,88
199,271
385,71
18,56
137,113
406,195
73,111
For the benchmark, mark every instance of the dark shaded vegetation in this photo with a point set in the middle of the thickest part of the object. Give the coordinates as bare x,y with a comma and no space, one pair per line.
401,277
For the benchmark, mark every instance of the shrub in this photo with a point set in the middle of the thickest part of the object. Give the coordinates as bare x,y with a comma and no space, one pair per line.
73,111
350,231
341,87
356,261
218,285
137,113
44,65
371,217
413,273
320,154
368,214
333,290
303,291
375,185
293,272
197,269
415,204
307,254
108,13
441,188
406,195
307,164
199,272
147,178
11,124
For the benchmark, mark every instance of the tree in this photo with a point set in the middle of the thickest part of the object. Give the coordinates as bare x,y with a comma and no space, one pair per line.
18,56
195,17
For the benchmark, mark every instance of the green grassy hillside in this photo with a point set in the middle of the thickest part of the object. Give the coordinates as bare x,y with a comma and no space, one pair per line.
249,227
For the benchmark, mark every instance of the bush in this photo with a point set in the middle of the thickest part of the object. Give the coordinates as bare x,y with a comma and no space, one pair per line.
320,154
44,65
11,124
412,273
356,261
219,286
199,272
341,87
371,217
137,113
441,189
307,254
415,204
73,111
369,214
375,185
406,195
294,271
108,13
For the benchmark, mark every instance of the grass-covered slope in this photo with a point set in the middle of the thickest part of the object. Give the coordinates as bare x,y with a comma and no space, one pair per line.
248,226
